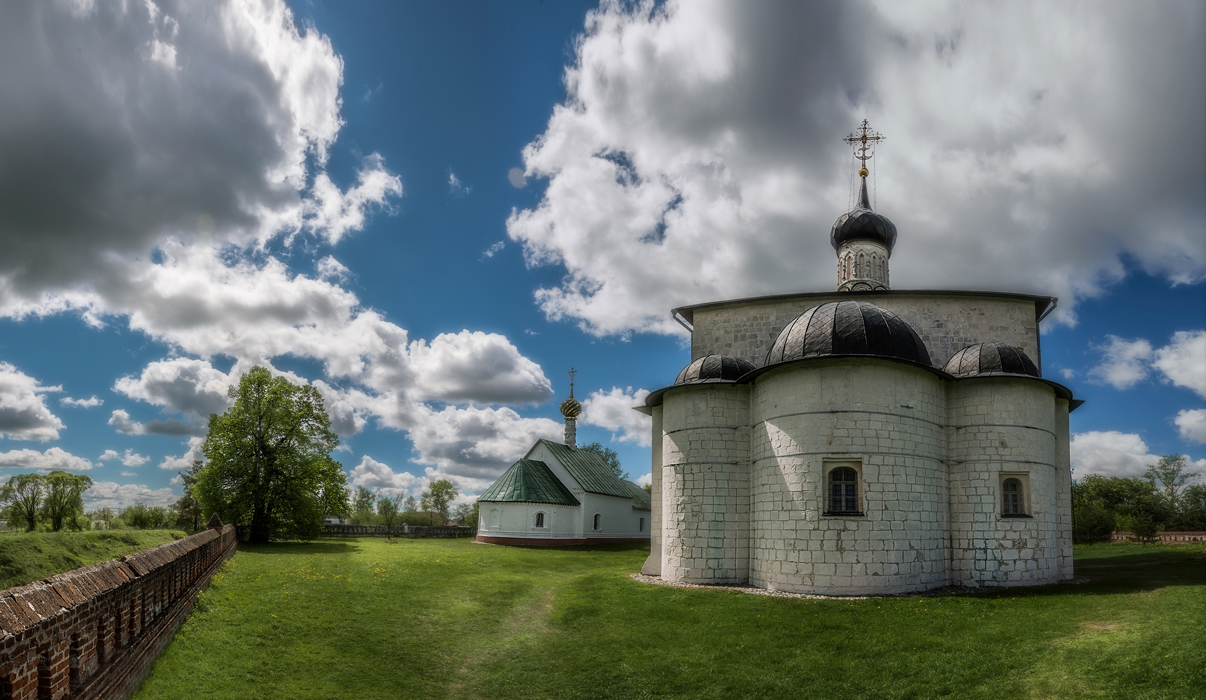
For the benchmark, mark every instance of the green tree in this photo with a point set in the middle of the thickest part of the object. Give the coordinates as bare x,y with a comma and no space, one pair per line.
1172,475
22,498
1193,509
609,455
64,498
388,508
438,496
1091,522
268,460
410,505
188,509
362,506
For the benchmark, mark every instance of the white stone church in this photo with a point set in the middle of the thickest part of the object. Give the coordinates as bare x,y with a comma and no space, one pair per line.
561,495
863,441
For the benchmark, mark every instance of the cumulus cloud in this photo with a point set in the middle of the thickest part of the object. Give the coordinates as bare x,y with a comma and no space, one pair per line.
1192,425
375,475
183,385
129,459
120,419
1111,453
1183,361
517,178
109,494
51,459
202,126
91,402
698,153
23,411
1124,362
644,479
184,462
613,410
476,367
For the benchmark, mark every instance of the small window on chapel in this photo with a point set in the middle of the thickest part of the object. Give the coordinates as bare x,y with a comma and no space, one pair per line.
842,492
597,518
540,520
641,525
1013,498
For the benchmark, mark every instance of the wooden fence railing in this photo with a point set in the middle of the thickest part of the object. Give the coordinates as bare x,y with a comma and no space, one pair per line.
409,531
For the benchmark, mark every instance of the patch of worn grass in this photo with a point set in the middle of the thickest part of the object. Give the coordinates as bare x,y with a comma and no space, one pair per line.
449,618
31,556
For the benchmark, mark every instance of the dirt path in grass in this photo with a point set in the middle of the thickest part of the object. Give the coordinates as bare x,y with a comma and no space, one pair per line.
527,622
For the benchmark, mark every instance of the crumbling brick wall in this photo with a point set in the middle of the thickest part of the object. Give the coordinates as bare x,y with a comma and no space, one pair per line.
94,632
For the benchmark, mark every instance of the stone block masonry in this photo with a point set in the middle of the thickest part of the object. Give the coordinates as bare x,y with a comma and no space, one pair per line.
94,633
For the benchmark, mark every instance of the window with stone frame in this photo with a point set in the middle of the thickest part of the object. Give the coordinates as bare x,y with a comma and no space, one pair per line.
841,492
540,520
1015,495
598,520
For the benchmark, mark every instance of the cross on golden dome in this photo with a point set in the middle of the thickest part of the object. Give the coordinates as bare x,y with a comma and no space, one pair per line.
864,136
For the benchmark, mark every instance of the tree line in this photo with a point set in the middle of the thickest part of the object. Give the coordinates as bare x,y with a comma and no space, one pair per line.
1163,499
433,507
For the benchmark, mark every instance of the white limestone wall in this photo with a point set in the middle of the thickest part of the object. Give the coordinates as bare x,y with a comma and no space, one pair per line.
890,418
617,517
1063,489
1000,428
705,496
653,565
862,260
519,520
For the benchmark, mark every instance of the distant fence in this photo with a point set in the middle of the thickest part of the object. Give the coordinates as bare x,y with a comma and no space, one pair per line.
409,531
93,633
1163,537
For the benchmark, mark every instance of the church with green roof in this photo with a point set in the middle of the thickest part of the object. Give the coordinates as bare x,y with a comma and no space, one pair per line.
558,494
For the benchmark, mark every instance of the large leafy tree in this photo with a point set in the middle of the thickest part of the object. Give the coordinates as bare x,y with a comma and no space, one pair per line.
438,496
188,509
269,465
1173,475
64,499
22,497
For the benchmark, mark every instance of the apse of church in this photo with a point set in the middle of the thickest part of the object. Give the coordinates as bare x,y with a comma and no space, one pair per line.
867,440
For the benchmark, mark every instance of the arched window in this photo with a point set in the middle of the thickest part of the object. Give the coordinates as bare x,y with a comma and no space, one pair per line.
860,269
843,491
597,520
641,526
540,520
1011,497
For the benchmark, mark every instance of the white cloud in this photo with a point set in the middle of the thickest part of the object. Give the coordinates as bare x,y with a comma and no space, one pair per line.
23,411
229,147
120,419
51,459
698,153
184,462
493,250
181,384
1111,453
109,494
457,188
129,473
1067,373
374,475
1124,362
91,402
1192,425
644,479
129,459
1183,361
517,178
613,410
477,367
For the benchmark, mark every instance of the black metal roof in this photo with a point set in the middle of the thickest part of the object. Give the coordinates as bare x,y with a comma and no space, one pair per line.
990,358
713,369
863,224
841,328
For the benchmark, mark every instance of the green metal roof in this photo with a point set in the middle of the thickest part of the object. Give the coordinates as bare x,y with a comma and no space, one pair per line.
641,499
529,481
588,469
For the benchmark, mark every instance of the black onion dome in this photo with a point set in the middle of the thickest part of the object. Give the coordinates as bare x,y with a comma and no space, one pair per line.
713,368
863,224
848,328
990,358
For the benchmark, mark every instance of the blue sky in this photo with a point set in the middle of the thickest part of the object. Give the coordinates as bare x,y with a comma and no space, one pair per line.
432,211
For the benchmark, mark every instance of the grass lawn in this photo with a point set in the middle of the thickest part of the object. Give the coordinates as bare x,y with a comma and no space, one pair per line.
452,619
31,556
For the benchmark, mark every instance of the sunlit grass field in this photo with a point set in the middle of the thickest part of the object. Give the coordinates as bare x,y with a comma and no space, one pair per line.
370,618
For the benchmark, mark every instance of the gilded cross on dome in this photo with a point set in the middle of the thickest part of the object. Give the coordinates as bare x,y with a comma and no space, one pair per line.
864,136
571,373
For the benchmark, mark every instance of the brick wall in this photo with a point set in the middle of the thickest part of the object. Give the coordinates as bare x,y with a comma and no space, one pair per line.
96,631
1121,536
